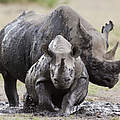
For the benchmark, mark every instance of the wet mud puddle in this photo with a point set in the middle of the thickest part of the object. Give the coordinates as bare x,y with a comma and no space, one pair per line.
85,109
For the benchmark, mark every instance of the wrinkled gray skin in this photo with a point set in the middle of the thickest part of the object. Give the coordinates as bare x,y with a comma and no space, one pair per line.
21,41
58,80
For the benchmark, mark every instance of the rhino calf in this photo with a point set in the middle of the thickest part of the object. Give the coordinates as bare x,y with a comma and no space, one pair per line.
59,78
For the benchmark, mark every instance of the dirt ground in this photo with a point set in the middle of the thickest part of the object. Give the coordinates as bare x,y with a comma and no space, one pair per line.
97,13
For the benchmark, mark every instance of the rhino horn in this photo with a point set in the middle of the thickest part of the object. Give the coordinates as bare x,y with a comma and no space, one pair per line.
111,54
101,72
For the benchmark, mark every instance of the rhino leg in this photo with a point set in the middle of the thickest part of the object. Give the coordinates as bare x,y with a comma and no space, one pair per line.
105,30
10,89
29,105
44,98
76,96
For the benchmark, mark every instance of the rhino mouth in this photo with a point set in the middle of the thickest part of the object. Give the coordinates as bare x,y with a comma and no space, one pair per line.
104,71
59,85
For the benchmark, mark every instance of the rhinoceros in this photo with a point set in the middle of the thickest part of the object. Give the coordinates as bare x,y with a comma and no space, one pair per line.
58,79
21,41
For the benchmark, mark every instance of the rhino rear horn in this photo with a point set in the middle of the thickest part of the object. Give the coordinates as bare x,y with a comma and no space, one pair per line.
111,54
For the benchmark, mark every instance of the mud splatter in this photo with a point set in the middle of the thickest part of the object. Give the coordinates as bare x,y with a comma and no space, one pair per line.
86,109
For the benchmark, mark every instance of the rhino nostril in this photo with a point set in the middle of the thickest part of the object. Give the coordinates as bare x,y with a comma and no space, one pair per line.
67,80
55,79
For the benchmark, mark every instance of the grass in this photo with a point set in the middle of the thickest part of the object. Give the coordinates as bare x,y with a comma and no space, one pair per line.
1,78
32,117
115,118
93,89
48,3
19,117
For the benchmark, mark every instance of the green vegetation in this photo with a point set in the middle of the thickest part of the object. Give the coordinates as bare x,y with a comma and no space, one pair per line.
115,118
1,78
32,117
19,117
93,89
48,3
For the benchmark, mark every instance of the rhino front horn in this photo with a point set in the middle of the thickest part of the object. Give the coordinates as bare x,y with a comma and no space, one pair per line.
111,54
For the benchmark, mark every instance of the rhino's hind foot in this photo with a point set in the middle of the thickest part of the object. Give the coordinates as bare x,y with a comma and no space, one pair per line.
108,27
10,89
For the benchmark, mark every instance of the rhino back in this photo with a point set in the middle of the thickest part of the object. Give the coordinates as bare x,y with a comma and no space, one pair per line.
22,39
16,45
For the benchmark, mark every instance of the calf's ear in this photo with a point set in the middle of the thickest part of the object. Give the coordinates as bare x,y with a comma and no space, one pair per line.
75,52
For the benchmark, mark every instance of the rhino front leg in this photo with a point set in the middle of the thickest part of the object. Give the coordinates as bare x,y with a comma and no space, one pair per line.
10,89
44,98
75,96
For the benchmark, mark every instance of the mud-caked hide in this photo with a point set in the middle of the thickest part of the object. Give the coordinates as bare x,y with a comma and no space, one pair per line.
61,73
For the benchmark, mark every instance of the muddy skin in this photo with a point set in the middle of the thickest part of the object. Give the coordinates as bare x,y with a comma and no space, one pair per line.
60,75
21,41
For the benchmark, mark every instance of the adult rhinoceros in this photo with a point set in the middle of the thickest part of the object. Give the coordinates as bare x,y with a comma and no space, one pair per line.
21,41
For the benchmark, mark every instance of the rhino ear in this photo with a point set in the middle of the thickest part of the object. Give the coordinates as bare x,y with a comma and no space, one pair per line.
75,52
45,50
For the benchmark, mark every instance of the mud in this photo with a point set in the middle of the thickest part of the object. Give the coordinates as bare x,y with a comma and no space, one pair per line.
86,109
5,109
